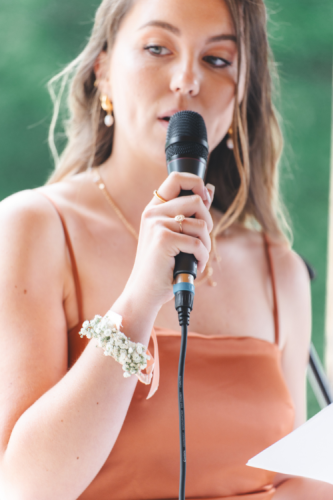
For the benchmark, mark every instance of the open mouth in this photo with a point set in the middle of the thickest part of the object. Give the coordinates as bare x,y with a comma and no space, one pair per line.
166,118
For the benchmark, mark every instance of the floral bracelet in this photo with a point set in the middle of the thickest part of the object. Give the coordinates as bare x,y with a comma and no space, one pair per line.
133,356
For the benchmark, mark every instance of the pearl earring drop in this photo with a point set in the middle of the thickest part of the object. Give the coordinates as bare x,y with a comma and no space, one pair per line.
109,120
108,107
230,142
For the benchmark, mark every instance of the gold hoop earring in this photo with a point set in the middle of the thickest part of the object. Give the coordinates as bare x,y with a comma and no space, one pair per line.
230,142
108,107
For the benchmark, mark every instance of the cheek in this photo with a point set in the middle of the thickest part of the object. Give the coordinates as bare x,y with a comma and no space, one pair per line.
135,84
137,90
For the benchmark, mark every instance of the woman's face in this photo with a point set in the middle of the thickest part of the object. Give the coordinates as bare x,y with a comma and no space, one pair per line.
171,55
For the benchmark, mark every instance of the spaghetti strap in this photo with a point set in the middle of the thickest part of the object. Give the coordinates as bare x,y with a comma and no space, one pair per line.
78,290
272,274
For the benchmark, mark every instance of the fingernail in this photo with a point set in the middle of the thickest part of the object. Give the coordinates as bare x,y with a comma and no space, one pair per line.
207,195
211,190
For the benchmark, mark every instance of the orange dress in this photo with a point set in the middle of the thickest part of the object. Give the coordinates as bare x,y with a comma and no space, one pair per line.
236,403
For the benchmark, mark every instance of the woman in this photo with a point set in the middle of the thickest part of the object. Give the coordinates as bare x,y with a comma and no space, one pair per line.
71,425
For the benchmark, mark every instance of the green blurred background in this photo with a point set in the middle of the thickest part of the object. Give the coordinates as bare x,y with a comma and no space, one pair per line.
39,37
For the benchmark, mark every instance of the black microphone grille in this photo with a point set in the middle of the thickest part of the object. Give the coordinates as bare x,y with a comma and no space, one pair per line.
186,133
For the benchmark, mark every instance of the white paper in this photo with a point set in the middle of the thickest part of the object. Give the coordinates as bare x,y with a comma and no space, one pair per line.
307,451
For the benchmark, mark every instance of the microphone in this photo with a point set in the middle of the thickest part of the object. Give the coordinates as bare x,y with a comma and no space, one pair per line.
186,150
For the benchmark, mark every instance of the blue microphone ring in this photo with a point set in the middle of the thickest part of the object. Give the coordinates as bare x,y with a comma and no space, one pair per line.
188,287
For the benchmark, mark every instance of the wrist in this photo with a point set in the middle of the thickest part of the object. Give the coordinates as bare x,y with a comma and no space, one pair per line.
137,317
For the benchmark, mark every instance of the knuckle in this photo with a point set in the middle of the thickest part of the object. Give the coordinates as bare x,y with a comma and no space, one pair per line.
197,243
176,176
202,224
154,223
162,236
147,213
197,199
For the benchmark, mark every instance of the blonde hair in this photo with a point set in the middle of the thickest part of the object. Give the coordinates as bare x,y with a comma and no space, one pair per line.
246,178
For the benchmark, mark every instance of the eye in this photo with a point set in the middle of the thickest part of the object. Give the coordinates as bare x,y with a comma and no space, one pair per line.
217,62
157,50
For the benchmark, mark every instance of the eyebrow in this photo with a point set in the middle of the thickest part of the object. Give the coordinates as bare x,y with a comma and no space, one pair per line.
176,31
164,25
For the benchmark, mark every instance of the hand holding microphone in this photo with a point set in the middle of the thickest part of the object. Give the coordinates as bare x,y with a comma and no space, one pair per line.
160,240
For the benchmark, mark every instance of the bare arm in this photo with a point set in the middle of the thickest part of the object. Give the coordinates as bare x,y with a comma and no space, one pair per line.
54,425
57,428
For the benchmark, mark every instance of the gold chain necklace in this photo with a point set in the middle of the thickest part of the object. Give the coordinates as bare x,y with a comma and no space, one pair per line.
101,185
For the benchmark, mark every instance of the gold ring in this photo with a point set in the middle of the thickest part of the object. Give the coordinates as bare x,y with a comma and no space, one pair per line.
159,197
180,219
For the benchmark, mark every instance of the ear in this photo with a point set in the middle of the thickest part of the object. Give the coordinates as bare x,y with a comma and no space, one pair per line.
101,67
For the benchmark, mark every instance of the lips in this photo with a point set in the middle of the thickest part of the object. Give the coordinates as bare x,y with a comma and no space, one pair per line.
168,114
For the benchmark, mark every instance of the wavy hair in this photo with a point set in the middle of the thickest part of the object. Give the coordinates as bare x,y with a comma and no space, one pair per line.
246,178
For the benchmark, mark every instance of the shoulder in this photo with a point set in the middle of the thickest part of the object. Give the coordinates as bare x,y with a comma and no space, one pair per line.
31,234
27,214
292,277
33,209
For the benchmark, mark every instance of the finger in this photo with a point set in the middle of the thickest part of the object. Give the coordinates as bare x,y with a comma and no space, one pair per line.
185,205
191,227
211,190
178,181
189,244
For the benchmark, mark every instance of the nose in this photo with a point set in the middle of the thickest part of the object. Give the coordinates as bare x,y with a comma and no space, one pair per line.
185,80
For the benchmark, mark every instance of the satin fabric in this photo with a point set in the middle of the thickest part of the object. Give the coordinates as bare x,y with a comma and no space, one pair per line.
236,404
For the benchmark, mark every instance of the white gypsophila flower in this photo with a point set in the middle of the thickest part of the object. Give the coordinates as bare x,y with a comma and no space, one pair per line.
132,356
96,320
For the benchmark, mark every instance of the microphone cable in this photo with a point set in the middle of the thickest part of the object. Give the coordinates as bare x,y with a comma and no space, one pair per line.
186,151
183,305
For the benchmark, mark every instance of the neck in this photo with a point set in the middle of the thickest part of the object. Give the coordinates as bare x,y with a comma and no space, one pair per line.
131,182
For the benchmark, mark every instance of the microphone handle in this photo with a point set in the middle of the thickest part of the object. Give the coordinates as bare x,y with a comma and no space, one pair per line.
185,263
